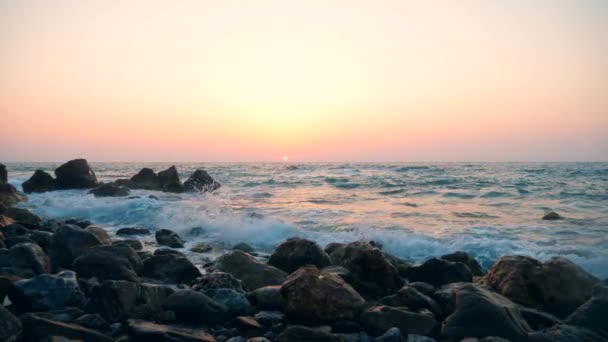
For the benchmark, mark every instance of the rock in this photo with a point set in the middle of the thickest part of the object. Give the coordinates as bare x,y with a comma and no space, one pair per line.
252,273
242,246
146,179
248,325
475,311
110,190
39,182
305,334
593,314
466,259
557,286
14,229
25,255
3,173
565,333
47,292
201,181
552,215
331,247
100,233
268,298
409,297
269,318
23,217
116,300
144,331
315,297
133,231
235,302
169,180
201,247
41,238
69,242
9,195
378,319
391,335
37,328
15,240
115,262
75,174
296,252
193,306
169,238
170,268
78,222
439,272
165,251
10,326
372,273
135,244
217,280
93,321
538,320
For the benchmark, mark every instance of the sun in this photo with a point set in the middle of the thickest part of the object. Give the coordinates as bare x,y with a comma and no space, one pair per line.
285,158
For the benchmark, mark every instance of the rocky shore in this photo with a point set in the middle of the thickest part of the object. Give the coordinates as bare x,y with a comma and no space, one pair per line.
69,280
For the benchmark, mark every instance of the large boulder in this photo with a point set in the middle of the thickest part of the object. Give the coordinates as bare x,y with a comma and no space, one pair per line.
201,181
133,231
194,306
378,319
26,256
145,331
101,234
466,259
23,216
69,242
566,333
252,273
40,181
217,280
38,328
476,311
114,262
439,272
557,286
110,190
313,296
169,180
410,297
267,298
145,179
10,326
296,252
236,302
372,274
171,268
169,238
75,174
47,292
9,195
594,313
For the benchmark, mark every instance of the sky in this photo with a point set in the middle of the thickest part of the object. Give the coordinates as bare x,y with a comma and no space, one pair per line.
311,80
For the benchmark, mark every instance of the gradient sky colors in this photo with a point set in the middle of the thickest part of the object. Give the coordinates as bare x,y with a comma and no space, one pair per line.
311,80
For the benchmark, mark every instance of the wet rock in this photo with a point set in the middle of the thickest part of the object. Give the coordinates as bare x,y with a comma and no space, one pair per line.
538,320
25,256
9,195
15,240
133,231
475,311
75,174
438,272
217,280
135,244
193,306
145,331
201,247
37,328
169,180
593,314
306,334
39,182
296,252
114,262
165,251
201,181
372,274
552,215
14,229
3,173
170,268
557,286
331,247
78,222
93,321
466,259
242,246
269,318
69,242
315,297
252,273
10,326
268,298
47,292
378,319
565,333
248,325
391,335
145,179
100,233
410,297
235,302
110,190
169,238
41,238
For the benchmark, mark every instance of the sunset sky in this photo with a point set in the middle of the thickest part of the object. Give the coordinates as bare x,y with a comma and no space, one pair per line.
180,80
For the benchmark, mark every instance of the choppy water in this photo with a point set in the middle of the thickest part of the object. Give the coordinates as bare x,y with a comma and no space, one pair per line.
415,210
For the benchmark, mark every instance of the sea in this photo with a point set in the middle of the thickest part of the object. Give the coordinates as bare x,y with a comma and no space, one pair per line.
414,210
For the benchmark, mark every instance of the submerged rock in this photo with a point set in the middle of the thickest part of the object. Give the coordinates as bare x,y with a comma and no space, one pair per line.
438,272
169,238
40,181
201,181
110,190
75,174
552,215
296,252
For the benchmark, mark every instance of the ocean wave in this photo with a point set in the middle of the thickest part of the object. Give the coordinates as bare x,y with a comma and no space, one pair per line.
460,195
392,192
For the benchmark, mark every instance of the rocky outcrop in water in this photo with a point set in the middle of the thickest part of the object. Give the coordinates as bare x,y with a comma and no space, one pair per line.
201,181
110,190
75,174
39,182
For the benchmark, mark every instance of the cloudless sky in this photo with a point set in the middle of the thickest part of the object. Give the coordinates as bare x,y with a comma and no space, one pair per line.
110,80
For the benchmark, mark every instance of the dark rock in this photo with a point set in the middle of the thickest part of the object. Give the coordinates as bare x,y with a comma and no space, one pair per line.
391,335
78,222
144,331
3,173
593,314
110,190
242,246
409,297
23,216
169,238
557,286
235,302
378,319
248,325
41,238
26,255
100,233
47,292
14,229
269,318
315,297
193,306
565,333
330,248
296,252
438,272
169,180
305,334
170,268
39,182
165,251
135,244
475,311
93,321
201,181
201,247
9,195
10,326
133,231
466,259
268,298
69,242
114,262
67,315
37,328
538,320
15,240
145,179
75,174
217,280
372,274
552,215
252,273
